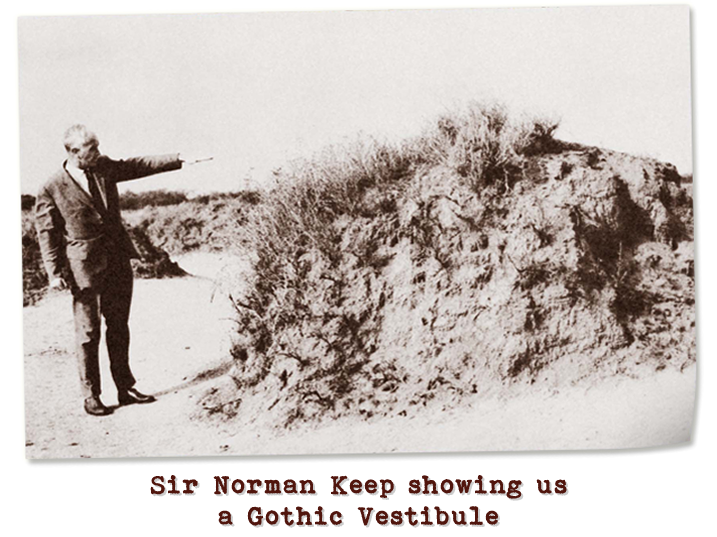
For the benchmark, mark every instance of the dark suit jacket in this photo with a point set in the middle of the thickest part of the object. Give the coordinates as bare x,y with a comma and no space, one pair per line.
77,240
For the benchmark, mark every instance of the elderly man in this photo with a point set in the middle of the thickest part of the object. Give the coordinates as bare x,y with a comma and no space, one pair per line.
85,248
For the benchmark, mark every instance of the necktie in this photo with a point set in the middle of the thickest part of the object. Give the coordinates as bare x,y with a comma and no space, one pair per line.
95,192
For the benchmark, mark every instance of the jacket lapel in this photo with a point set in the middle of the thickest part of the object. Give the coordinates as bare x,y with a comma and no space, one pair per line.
75,191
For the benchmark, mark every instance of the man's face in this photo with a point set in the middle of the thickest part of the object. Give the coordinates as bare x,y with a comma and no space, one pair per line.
84,152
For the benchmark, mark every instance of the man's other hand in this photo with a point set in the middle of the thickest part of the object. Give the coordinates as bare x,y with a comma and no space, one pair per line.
189,159
59,284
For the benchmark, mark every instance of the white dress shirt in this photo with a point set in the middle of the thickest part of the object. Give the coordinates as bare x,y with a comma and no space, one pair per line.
79,176
81,179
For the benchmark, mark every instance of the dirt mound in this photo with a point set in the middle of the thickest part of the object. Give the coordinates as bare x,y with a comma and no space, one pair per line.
481,255
154,262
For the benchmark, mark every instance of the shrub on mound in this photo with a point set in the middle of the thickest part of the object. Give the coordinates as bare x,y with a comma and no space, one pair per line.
482,254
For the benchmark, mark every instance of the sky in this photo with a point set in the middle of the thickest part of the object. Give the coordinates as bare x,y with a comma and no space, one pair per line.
257,90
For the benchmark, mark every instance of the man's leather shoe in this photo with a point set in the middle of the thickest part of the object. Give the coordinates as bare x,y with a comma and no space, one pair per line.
94,407
132,396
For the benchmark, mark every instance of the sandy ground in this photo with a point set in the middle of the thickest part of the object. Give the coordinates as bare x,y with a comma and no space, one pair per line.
180,341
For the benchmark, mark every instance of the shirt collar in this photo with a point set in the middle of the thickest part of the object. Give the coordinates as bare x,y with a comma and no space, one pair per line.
74,171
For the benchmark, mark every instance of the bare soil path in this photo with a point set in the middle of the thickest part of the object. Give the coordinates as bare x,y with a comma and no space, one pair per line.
180,341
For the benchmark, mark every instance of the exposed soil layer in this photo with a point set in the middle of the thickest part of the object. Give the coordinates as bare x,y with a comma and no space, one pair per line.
436,289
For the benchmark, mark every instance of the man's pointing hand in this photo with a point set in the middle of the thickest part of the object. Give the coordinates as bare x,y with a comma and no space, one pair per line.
188,159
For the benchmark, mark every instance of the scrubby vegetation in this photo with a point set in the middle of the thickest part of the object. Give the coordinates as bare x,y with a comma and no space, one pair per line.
132,201
34,277
483,253
212,222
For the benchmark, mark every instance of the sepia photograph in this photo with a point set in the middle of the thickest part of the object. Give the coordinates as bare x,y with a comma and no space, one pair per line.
357,231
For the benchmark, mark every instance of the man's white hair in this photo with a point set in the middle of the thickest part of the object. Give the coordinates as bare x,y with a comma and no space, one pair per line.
79,133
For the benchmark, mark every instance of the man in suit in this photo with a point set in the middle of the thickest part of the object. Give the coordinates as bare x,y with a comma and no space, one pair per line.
86,248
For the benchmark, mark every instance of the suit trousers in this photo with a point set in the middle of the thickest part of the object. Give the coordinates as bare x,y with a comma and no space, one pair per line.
110,299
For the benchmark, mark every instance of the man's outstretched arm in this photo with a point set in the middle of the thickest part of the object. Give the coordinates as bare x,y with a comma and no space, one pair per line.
135,168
